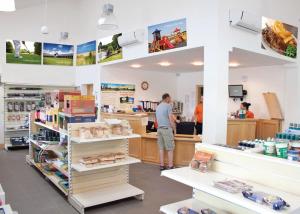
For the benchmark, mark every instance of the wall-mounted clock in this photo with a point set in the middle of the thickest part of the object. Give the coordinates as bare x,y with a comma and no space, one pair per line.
145,85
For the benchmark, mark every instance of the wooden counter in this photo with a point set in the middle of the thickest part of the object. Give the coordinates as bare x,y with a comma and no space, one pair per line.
183,153
251,129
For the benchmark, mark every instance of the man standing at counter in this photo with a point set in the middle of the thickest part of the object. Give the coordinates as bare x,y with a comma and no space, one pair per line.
165,131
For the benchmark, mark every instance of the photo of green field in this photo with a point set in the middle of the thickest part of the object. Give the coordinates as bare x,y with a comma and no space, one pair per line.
58,54
23,52
109,49
86,53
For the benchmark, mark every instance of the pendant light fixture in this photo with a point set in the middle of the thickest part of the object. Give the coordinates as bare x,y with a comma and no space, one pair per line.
44,28
107,20
7,5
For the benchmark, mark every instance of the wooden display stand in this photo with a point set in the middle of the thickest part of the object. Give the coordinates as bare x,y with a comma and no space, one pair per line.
138,122
240,129
267,174
90,186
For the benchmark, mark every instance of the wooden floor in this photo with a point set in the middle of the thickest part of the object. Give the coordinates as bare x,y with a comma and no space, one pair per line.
29,193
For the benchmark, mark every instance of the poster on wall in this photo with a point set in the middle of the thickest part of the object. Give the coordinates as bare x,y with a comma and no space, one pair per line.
58,54
279,37
166,36
109,49
86,53
23,52
120,96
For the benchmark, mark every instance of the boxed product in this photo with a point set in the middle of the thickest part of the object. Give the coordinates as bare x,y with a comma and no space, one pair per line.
232,186
65,119
202,161
79,104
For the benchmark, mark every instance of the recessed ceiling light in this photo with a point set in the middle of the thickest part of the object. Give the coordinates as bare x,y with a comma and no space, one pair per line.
164,64
234,64
135,65
197,63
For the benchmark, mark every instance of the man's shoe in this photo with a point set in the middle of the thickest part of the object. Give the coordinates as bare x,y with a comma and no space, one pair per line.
162,168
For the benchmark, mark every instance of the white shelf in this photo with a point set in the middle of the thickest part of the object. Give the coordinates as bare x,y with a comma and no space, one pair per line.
7,209
204,183
81,168
16,130
254,156
109,194
56,148
193,204
78,140
53,178
46,126
21,99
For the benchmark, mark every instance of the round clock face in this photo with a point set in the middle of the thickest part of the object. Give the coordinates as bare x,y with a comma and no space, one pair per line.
145,85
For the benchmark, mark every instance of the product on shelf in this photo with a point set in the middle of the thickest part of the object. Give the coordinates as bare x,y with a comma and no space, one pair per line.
19,141
79,104
201,161
207,211
94,160
232,186
105,129
275,202
186,210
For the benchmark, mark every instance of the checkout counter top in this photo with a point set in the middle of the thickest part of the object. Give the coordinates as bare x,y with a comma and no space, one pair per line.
178,137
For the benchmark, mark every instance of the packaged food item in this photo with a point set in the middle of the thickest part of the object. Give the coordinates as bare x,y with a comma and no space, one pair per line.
89,161
275,202
119,155
194,164
98,132
116,130
85,133
203,156
207,211
269,148
186,210
282,150
232,186
293,155
107,159
296,146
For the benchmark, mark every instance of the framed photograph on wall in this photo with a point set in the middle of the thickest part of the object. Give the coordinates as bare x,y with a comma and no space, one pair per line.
166,36
109,49
86,53
58,54
23,52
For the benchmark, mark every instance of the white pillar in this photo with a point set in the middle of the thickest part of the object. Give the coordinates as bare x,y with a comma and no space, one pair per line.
216,72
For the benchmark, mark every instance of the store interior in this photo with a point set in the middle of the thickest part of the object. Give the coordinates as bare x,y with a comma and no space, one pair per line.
82,85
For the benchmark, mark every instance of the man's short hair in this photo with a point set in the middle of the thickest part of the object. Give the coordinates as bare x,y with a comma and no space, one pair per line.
165,96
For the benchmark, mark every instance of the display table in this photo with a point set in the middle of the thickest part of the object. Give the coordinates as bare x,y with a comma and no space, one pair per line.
251,129
138,122
184,149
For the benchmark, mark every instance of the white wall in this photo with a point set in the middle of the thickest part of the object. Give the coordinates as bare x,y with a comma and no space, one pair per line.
279,79
159,82
25,24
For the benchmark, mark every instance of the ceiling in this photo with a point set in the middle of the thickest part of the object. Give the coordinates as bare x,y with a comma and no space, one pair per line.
20,4
181,61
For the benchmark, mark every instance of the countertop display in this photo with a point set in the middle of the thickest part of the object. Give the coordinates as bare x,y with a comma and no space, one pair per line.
183,153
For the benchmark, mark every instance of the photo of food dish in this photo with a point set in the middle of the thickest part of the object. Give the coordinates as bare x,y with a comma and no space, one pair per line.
279,37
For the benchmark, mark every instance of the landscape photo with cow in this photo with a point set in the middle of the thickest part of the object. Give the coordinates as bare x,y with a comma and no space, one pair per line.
23,52
58,54
166,36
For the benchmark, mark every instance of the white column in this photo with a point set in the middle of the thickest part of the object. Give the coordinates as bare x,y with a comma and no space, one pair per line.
216,72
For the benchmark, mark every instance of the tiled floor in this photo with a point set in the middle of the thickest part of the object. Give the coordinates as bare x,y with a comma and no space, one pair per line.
29,193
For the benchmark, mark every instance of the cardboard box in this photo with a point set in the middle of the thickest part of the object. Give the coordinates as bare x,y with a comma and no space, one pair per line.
65,119
79,104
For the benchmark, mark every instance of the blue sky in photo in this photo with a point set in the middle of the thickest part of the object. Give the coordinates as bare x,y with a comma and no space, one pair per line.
86,47
167,28
50,48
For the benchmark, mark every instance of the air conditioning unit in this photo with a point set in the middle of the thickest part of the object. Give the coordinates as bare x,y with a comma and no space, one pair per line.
245,21
130,38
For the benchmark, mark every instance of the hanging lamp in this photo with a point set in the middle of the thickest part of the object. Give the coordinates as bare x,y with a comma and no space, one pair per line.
44,28
7,5
107,20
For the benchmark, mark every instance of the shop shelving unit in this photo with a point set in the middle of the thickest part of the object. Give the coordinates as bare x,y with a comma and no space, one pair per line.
266,174
91,186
